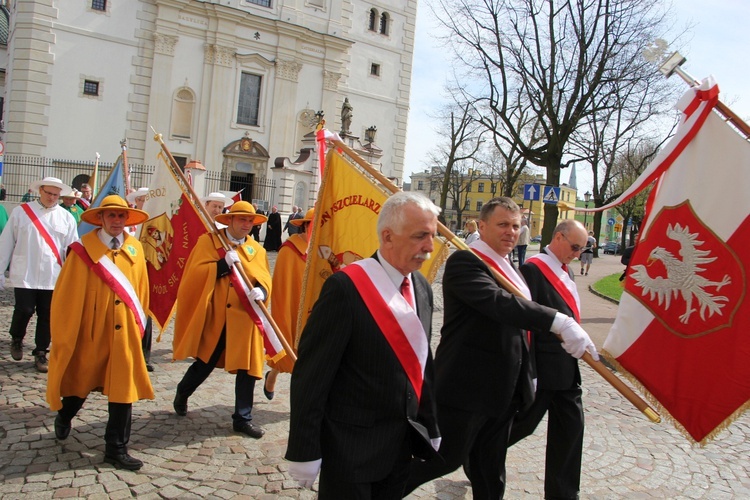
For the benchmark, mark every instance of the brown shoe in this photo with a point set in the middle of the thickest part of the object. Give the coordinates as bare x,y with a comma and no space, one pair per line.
16,349
41,362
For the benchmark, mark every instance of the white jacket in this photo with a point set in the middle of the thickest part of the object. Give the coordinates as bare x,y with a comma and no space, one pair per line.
32,262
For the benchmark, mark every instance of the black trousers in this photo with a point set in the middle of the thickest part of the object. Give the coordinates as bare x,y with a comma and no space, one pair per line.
28,301
473,438
244,384
117,433
146,340
562,472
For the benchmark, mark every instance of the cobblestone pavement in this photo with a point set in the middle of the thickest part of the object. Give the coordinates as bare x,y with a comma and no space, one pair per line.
625,456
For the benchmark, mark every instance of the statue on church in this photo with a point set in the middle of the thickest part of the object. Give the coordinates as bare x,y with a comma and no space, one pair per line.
346,116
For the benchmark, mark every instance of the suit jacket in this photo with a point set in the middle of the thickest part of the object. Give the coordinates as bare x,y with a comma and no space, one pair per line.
351,402
556,369
483,359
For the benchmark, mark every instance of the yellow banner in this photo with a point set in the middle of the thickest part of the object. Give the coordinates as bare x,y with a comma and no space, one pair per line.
344,229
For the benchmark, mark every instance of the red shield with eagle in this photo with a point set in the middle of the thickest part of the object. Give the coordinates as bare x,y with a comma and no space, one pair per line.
690,279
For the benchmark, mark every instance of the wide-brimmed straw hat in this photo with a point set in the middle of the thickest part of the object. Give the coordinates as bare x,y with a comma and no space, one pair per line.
51,182
136,194
114,202
241,208
307,218
218,197
71,194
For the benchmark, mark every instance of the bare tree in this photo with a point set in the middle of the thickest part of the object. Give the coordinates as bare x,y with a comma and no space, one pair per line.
553,58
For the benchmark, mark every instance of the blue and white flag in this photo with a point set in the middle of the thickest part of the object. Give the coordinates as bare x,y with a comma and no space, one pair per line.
115,184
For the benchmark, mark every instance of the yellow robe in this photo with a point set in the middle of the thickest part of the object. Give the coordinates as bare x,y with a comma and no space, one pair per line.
287,292
206,304
96,344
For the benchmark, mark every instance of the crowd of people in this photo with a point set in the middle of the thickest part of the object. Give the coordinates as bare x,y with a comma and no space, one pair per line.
373,413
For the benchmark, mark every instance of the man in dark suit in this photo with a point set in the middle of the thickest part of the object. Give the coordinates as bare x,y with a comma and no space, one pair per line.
559,380
361,390
483,373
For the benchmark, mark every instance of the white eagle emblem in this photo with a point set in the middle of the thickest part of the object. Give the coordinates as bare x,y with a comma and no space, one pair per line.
683,276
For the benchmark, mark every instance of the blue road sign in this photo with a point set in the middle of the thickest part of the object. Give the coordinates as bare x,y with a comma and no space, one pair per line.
531,192
551,194
611,221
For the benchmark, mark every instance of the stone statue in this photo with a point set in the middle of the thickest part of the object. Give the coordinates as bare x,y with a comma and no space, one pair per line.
346,116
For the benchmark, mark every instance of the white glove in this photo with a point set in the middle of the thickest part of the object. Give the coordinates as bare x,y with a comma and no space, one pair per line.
575,340
2,281
231,257
256,294
305,472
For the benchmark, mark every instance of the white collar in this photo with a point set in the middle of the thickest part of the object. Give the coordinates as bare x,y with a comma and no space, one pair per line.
393,274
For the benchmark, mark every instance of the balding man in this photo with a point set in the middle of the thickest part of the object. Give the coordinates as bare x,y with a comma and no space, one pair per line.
559,380
33,243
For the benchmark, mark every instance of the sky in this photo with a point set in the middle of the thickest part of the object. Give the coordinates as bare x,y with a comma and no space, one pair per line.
715,46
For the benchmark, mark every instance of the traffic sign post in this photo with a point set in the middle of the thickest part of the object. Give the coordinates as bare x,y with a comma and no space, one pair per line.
551,194
531,192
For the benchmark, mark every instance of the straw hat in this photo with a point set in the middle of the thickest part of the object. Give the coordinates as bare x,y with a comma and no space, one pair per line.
114,202
218,197
307,218
240,208
71,194
51,182
136,194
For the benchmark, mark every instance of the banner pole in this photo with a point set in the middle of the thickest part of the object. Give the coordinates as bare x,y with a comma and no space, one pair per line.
598,366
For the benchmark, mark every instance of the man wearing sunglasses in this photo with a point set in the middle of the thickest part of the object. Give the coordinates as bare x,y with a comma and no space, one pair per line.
558,378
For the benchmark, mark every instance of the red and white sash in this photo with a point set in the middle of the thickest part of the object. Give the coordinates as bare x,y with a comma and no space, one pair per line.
500,264
42,231
560,280
271,342
397,320
111,275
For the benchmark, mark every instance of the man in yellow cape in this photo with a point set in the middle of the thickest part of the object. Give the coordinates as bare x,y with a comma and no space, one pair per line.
213,324
97,323
287,292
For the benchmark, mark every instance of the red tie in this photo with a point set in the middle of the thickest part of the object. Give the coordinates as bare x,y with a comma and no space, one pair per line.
565,267
406,291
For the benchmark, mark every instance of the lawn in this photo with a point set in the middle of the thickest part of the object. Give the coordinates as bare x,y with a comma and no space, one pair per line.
611,286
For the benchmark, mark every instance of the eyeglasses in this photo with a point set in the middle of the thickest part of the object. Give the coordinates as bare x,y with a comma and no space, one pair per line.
54,195
575,248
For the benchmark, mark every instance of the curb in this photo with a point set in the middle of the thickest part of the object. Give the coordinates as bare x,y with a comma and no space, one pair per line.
598,294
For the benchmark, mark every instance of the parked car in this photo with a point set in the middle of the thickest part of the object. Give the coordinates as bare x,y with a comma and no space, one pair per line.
612,247
537,239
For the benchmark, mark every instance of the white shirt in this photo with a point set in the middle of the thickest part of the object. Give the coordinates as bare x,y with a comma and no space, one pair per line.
396,277
32,262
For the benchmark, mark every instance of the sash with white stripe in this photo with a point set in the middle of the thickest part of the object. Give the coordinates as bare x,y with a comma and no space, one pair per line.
397,320
42,231
560,280
111,275
271,342
500,264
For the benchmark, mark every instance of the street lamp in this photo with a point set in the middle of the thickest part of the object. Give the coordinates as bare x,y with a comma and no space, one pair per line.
586,200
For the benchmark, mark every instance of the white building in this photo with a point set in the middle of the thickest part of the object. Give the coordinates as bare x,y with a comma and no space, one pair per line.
233,84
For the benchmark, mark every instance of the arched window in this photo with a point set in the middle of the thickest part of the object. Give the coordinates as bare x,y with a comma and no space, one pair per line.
300,192
384,18
182,113
373,23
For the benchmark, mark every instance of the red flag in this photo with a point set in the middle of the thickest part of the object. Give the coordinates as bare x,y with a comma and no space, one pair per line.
682,325
238,195
167,237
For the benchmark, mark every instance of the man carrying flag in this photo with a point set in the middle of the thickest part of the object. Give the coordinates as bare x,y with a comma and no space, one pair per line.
33,243
361,391
98,320
216,323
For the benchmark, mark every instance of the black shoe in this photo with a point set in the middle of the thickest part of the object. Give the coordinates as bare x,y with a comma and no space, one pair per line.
124,461
249,429
16,349
41,362
149,367
180,405
266,392
62,430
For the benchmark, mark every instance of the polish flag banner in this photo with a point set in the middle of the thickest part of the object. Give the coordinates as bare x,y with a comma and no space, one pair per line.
682,331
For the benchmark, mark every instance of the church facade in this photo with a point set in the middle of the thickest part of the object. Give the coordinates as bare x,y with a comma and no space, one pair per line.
233,84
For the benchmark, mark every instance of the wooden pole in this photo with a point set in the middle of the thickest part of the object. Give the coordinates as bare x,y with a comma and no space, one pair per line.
125,170
598,366
209,223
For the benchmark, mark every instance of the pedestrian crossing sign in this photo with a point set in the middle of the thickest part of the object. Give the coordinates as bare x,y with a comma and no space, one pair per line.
551,194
